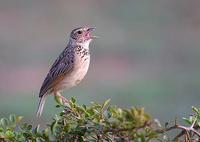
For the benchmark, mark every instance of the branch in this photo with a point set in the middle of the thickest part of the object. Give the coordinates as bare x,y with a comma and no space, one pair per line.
185,130
147,123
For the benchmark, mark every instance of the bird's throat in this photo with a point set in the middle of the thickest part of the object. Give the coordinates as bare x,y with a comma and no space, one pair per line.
85,44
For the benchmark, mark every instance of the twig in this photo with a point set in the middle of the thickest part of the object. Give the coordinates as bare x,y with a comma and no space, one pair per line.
185,130
147,123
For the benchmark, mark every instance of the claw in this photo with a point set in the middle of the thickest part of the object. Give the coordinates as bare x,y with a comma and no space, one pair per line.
60,99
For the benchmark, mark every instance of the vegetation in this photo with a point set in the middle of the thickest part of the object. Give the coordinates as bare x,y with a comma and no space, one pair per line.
100,123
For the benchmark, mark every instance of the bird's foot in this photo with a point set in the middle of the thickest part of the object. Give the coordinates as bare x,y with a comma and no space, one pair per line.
64,100
61,100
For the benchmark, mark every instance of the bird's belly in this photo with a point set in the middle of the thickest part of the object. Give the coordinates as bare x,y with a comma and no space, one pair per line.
75,77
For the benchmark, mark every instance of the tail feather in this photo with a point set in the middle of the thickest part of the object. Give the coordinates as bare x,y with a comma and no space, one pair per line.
41,105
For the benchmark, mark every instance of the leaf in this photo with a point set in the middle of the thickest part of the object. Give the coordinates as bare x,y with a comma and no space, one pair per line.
51,136
29,127
73,100
12,119
56,117
38,140
188,121
37,129
57,106
9,134
198,124
46,132
84,106
19,118
55,128
105,103
157,122
58,100
4,122
196,110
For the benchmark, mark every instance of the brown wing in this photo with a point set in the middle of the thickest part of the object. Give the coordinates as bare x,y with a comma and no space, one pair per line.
62,65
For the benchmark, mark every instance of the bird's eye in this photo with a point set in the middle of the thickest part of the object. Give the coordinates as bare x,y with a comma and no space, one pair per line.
79,32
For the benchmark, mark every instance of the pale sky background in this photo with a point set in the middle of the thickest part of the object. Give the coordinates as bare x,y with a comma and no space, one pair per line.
148,54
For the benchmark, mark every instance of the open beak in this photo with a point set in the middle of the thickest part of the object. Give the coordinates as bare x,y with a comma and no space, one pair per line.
89,31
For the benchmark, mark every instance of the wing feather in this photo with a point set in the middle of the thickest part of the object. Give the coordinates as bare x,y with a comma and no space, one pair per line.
62,65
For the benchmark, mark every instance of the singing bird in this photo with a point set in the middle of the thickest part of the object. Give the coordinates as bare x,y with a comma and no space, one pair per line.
69,68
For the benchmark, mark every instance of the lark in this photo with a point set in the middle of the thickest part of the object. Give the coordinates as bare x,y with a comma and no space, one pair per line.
69,68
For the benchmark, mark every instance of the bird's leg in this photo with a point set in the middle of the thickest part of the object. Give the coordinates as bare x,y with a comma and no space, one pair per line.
64,100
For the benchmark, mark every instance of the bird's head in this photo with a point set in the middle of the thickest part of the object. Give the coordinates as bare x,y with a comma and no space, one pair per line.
82,34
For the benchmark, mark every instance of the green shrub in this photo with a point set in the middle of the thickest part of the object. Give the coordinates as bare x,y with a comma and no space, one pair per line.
99,123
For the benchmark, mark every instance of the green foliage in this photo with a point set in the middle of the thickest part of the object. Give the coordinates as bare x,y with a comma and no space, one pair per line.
189,130
93,123
194,117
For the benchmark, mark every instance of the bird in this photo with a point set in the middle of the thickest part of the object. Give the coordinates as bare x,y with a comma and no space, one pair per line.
69,68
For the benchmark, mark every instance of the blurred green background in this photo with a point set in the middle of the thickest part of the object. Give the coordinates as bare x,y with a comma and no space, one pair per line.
148,54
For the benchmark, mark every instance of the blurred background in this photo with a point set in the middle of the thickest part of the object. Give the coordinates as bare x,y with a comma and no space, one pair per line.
148,54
